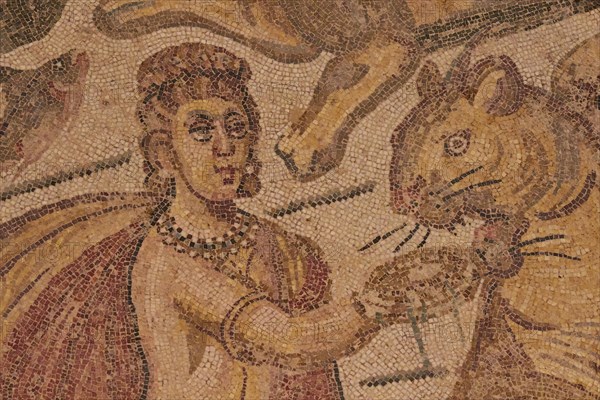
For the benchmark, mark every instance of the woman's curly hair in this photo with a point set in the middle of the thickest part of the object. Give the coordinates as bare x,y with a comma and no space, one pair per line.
180,74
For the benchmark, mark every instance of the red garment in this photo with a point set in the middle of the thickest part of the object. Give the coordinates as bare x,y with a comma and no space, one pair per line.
320,384
79,339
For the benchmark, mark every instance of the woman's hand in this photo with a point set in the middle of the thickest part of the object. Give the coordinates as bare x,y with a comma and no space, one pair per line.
424,281
372,306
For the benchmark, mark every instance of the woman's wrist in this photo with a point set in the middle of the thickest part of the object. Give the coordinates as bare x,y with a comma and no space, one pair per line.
237,330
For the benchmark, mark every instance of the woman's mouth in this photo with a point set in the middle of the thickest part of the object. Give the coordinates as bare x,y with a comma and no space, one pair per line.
227,173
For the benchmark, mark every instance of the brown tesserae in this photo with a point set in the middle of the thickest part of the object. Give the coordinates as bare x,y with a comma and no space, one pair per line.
299,200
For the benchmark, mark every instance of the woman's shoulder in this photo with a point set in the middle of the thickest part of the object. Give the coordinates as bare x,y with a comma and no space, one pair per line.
273,232
302,261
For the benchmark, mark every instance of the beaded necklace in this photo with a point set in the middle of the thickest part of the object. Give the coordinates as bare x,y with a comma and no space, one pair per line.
240,235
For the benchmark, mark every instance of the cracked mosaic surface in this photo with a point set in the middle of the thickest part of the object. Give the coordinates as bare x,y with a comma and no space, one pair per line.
299,200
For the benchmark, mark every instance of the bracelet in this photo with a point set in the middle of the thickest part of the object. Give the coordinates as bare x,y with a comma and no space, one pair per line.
234,347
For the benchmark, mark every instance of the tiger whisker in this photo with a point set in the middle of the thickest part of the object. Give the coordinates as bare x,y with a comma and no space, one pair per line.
588,323
407,239
380,238
459,178
538,240
424,240
471,187
551,254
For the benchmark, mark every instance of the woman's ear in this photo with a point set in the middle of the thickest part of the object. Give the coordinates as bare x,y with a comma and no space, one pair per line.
496,85
250,184
429,79
157,147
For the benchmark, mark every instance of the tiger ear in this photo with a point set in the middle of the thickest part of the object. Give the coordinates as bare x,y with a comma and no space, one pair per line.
429,80
496,85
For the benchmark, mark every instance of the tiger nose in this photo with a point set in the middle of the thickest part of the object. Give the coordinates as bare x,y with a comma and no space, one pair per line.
406,199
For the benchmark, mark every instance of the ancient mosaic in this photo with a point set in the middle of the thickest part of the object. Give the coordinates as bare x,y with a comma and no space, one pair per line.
300,199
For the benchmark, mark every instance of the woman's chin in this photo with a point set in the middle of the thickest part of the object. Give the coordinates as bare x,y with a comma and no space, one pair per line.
224,194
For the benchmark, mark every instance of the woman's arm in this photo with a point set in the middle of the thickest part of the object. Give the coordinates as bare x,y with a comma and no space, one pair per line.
255,330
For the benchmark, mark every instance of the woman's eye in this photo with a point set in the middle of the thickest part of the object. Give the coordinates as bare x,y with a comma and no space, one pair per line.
201,129
201,132
458,143
235,126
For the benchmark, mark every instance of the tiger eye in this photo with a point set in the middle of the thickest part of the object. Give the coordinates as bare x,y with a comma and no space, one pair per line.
458,143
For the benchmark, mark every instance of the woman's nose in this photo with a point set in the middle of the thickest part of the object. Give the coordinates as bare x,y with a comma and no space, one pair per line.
222,144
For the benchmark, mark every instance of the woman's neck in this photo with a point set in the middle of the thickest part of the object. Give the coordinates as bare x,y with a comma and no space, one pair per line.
208,218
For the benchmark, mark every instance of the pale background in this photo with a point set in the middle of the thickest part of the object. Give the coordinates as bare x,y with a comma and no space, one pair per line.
106,127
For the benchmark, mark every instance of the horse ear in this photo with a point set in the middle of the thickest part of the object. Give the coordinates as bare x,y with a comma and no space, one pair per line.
429,79
496,85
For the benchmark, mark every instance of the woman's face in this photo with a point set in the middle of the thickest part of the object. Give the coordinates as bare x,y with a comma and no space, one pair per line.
211,139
